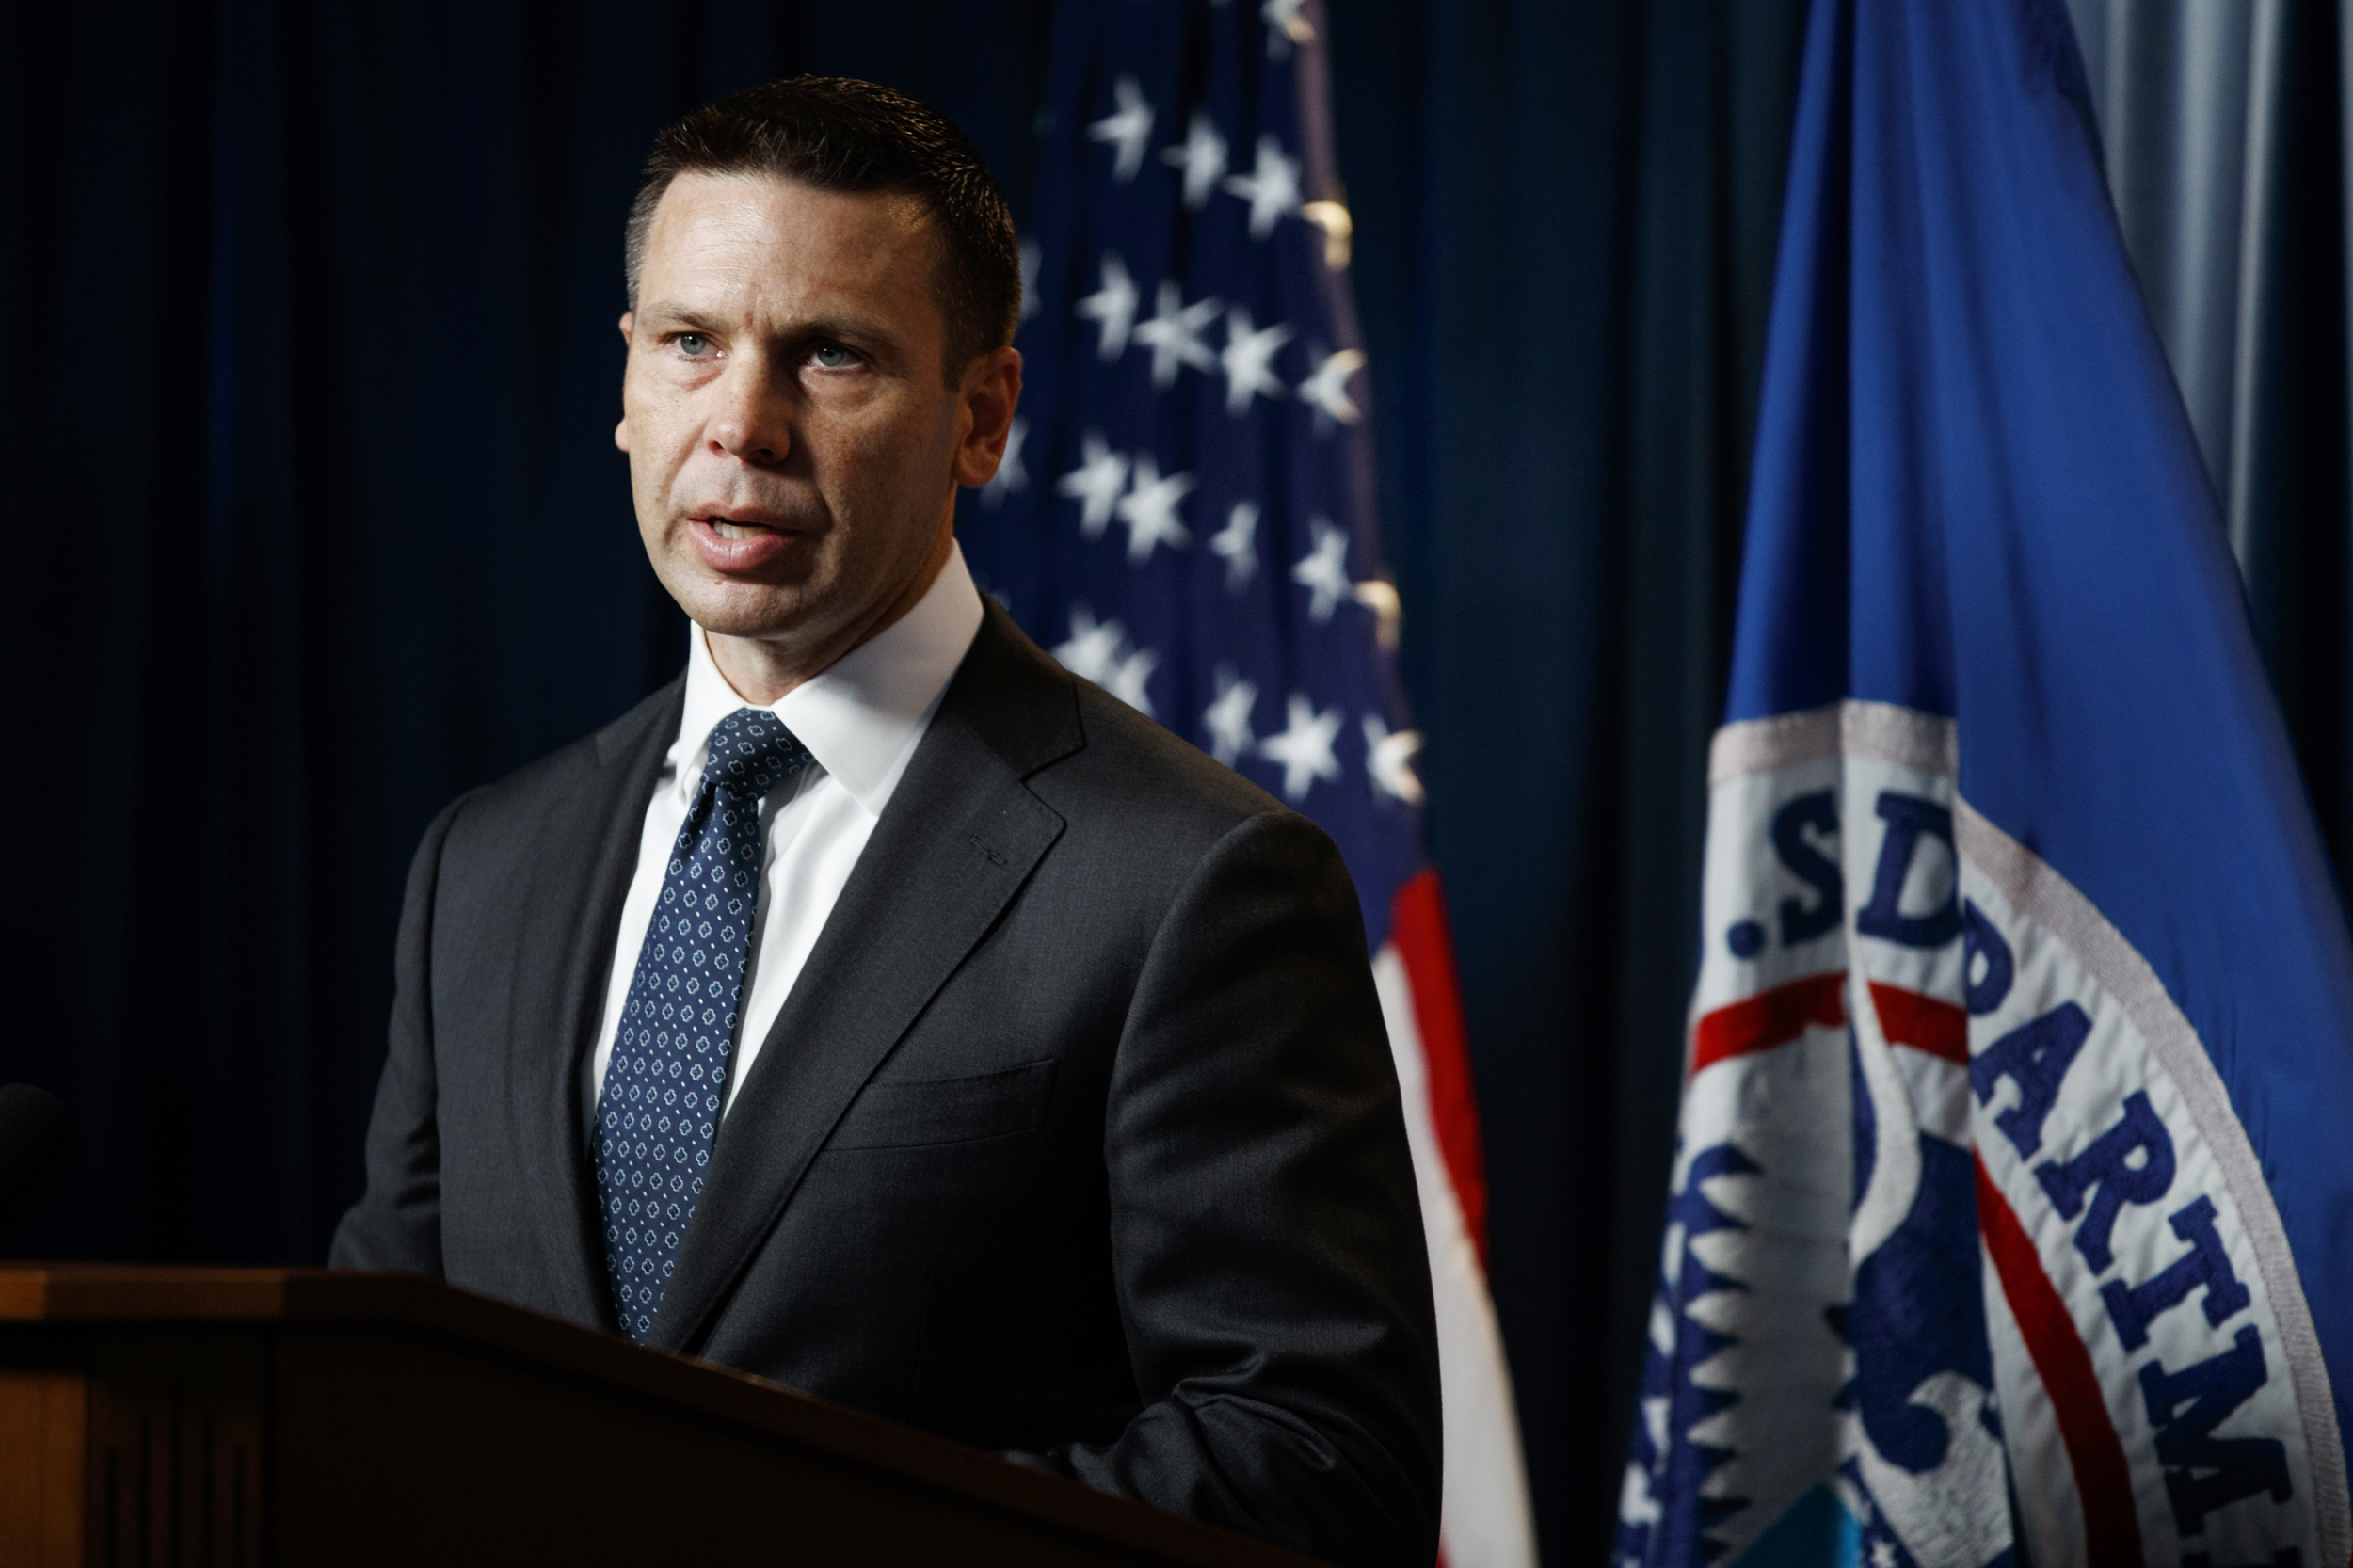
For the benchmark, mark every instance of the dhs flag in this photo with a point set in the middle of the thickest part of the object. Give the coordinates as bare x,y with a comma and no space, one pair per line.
1184,515
2012,1212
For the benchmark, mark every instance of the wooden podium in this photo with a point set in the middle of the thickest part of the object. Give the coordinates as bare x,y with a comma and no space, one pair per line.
236,1416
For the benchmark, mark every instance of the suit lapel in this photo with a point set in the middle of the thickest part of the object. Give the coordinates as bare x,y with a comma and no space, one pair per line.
959,837
584,856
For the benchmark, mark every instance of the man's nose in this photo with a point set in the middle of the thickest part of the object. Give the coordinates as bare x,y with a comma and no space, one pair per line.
753,421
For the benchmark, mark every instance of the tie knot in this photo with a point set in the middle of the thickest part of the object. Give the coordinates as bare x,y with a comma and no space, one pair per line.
751,753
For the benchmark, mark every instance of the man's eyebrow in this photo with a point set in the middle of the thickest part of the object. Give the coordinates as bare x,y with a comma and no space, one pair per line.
664,314
881,346
848,329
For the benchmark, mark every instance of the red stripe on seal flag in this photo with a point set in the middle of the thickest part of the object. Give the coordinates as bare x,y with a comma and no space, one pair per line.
1417,926
1923,1022
2103,1481
1771,1018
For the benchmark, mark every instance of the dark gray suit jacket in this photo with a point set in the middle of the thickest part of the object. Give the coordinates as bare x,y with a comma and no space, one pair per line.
1078,1137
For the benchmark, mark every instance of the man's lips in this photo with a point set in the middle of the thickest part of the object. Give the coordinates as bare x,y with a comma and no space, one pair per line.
738,541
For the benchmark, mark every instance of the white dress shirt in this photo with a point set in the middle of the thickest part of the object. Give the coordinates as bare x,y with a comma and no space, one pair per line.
861,719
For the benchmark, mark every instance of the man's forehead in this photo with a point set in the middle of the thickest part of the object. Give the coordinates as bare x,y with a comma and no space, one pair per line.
754,218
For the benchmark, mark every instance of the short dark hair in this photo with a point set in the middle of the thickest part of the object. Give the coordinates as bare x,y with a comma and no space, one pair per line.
836,134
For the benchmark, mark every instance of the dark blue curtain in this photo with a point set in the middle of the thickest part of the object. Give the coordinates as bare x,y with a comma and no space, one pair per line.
1567,218
307,391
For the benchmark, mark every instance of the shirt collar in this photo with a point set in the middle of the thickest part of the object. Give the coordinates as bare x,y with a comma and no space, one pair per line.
861,717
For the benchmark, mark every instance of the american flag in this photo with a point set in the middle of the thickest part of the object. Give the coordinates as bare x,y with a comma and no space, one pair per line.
1184,515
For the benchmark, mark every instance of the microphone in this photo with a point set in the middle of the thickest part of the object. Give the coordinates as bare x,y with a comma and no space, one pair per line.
37,1146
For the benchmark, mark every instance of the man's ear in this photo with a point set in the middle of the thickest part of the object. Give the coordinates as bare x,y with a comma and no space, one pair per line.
992,388
620,431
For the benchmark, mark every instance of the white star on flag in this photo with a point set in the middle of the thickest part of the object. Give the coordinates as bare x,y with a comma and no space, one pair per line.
1099,652
1128,679
1093,647
1113,307
1271,188
1327,389
1237,545
1011,476
1173,333
1150,510
1129,128
1095,484
1390,759
1305,747
1323,572
1248,361
1228,717
1202,157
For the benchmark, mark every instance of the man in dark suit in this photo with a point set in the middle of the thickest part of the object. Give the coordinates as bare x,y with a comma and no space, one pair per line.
878,1008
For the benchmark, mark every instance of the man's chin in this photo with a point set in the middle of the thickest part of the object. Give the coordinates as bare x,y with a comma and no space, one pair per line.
732,607
768,622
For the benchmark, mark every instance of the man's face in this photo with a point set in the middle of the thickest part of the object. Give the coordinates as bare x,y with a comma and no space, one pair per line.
791,446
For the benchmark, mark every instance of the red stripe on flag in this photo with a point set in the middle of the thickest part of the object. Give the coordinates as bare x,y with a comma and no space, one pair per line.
1417,926
2103,1481
1922,1022
1769,1018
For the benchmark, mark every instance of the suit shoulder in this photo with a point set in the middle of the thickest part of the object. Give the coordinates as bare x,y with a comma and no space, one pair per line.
1145,794
1087,754
1154,761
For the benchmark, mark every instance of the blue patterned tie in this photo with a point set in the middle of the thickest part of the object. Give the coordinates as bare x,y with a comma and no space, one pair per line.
663,1086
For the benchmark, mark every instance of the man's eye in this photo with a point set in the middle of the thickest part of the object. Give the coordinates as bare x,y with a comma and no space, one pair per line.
832,355
691,343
